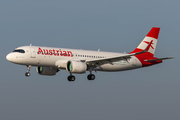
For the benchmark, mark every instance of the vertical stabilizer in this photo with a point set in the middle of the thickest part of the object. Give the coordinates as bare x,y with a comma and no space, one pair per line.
151,38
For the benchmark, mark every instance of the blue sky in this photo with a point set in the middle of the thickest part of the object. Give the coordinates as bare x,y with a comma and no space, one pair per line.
116,26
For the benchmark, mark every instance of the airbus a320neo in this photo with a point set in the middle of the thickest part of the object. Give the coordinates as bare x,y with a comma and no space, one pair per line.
48,60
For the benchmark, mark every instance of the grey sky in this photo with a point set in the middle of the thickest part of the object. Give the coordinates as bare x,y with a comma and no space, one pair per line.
111,25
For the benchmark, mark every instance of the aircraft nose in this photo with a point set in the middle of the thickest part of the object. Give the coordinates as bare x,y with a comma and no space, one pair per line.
9,57
14,58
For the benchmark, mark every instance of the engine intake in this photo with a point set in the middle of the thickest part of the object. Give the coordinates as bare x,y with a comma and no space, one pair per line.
76,67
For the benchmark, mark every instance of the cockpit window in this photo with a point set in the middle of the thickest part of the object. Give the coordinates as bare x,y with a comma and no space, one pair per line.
19,50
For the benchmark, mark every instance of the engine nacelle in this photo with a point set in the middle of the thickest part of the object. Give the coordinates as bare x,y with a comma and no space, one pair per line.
61,64
46,70
76,67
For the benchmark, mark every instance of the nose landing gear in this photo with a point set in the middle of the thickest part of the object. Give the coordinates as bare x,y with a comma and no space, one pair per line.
27,74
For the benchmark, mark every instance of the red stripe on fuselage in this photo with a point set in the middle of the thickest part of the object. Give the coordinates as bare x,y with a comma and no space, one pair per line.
146,63
145,56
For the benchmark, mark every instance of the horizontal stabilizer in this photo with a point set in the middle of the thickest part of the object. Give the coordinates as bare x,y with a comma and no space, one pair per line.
159,59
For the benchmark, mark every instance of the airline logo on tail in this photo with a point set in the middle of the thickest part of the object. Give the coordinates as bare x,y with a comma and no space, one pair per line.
150,44
151,38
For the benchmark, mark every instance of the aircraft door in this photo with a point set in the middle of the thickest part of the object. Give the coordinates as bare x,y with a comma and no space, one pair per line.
32,52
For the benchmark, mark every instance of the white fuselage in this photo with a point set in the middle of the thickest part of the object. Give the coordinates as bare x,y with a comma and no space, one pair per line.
49,59
58,57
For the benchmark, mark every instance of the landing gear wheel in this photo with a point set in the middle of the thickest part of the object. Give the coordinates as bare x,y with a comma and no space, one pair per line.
91,77
71,78
27,74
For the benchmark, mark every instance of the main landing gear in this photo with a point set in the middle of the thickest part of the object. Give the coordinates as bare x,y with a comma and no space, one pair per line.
71,78
27,74
91,77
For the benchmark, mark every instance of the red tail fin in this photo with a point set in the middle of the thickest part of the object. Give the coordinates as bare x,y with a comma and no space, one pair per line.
151,38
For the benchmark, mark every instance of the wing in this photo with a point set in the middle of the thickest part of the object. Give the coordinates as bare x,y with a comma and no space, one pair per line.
110,60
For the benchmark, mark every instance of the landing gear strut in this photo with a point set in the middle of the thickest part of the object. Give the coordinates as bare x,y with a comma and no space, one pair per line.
91,76
27,74
71,78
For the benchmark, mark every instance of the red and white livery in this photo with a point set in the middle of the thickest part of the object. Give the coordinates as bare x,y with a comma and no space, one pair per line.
49,60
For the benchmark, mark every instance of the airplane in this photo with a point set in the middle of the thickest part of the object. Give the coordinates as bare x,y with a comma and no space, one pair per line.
48,60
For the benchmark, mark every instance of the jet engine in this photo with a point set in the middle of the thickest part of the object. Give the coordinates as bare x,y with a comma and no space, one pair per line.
76,67
46,70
